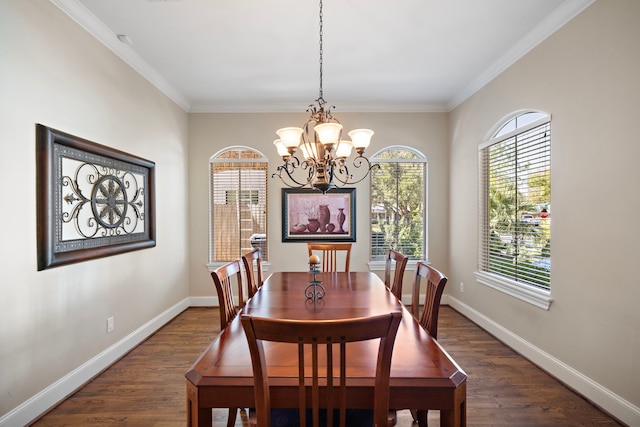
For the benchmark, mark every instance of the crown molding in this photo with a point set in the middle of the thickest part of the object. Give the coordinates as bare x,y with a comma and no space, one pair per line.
563,14
300,108
83,17
87,20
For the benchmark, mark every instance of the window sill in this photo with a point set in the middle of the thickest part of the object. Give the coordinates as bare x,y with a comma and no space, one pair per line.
538,297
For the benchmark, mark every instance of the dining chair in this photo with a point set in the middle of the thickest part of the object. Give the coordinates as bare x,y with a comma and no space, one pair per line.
224,277
254,275
330,256
397,263
325,342
435,282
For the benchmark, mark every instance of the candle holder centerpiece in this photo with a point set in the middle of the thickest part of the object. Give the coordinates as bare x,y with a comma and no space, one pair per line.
314,289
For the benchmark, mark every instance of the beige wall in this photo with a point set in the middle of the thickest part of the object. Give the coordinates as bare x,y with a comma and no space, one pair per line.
209,133
53,321
587,76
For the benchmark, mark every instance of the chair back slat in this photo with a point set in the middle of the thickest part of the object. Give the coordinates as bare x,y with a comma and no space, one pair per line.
435,282
254,275
398,263
330,255
316,336
224,278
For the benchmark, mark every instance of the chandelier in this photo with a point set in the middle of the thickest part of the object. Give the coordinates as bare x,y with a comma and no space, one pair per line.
324,152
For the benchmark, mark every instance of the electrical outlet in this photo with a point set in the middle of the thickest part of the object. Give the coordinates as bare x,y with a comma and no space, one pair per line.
461,287
110,324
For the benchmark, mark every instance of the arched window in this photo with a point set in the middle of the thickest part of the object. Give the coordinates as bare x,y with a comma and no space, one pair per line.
237,204
515,208
398,203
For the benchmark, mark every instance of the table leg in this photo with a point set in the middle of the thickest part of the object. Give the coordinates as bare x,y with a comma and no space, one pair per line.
421,416
456,417
196,416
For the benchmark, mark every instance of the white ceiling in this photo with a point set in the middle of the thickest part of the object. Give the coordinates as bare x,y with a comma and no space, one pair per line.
263,55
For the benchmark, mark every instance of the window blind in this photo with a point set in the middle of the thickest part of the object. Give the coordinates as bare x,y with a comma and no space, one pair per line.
398,195
515,220
238,204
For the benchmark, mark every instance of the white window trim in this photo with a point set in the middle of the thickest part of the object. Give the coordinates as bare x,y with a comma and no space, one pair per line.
411,264
536,296
517,131
212,265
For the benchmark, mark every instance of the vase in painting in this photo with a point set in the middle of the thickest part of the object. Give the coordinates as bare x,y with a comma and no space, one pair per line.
313,225
341,218
324,217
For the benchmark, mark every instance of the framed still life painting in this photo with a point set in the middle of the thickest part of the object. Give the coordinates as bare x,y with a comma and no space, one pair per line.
309,215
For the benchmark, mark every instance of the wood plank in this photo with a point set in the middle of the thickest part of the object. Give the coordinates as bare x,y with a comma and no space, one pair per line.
147,386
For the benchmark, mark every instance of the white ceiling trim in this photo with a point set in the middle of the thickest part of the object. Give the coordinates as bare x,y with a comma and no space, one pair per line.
100,31
76,11
301,108
563,14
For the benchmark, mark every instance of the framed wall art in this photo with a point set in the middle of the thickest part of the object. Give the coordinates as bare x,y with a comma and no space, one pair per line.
309,215
92,201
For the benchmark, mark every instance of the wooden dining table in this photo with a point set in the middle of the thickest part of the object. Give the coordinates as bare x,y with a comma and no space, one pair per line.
423,375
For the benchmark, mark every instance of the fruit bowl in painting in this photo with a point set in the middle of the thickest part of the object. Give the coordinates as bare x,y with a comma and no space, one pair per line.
299,228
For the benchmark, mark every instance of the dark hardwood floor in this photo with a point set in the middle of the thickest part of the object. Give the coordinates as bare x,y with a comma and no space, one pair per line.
147,386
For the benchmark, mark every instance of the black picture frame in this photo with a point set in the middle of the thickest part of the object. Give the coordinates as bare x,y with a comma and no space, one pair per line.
336,210
92,201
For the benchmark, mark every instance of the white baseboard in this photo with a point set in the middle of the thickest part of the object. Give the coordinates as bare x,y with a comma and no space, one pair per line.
610,402
46,399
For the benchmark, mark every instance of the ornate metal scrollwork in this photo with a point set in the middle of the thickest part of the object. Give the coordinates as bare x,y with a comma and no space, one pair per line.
114,199
314,290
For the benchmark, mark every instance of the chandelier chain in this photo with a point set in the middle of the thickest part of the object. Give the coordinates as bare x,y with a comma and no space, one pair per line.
321,163
321,96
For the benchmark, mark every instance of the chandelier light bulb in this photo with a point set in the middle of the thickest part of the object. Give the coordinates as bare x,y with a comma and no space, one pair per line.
361,138
290,136
343,150
328,133
305,152
282,150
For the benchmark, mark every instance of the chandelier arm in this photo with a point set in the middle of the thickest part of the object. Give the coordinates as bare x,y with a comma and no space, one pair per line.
286,171
331,170
294,183
279,175
358,163
338,172
290,163
312,165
